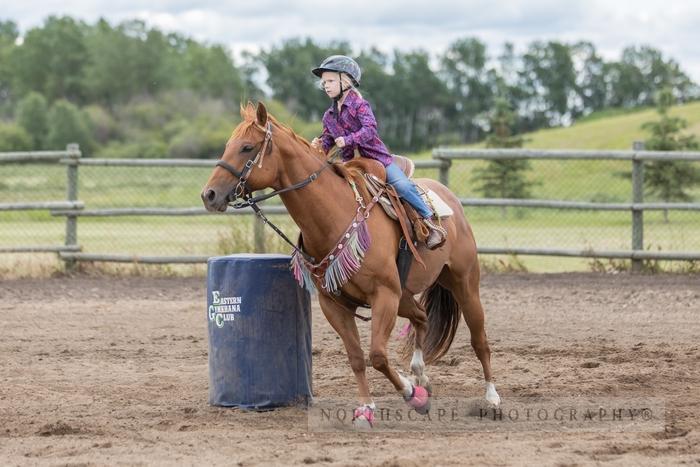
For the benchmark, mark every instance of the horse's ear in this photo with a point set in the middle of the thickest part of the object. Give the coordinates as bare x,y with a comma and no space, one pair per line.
261,114
247,111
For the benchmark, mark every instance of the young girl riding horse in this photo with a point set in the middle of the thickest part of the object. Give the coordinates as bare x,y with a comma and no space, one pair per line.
350,125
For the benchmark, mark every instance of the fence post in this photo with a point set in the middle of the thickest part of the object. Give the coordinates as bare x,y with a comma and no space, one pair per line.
445,171
259,232
72,195
637,198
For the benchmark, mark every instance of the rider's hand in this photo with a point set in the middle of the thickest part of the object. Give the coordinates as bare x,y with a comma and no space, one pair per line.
316,143
340,142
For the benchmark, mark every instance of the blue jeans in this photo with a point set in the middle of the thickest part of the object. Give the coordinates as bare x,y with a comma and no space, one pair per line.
407,190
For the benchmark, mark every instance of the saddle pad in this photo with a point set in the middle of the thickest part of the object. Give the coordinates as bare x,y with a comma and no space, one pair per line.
442,209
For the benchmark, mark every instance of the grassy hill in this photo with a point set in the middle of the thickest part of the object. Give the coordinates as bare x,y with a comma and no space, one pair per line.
604,131
609,129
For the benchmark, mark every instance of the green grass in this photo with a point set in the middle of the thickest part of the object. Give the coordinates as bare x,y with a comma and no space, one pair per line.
116,187
608,129
610,132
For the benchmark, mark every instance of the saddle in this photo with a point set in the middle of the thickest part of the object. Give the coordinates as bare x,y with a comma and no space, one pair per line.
374,175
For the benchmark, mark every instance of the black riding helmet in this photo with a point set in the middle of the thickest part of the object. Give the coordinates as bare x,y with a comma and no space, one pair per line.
340,64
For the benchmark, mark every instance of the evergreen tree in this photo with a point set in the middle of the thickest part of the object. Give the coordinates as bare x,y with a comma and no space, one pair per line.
503,178
669,180
502,120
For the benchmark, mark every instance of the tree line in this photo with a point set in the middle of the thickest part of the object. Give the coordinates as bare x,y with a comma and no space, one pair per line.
133,90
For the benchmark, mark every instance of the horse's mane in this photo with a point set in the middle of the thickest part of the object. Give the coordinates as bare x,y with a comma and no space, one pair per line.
248,114
353,174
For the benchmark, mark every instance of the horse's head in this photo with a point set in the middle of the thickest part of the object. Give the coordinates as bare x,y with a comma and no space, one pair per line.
249,162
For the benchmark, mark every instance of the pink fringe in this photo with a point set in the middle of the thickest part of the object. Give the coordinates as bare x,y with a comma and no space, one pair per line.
343,266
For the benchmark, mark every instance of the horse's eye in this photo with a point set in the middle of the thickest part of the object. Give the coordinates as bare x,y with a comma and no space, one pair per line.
247,148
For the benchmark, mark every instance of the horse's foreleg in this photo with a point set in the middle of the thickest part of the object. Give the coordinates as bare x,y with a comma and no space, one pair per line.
384,311
342,319
385,306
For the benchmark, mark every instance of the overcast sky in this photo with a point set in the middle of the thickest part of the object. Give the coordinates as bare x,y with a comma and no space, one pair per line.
673,26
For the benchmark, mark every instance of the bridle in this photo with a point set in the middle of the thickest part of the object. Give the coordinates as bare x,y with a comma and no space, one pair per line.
240,197
241,189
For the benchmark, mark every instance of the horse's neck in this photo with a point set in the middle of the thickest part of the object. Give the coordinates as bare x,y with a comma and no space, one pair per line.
323,209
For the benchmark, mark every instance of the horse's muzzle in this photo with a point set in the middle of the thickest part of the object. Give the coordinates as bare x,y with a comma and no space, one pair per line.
213,200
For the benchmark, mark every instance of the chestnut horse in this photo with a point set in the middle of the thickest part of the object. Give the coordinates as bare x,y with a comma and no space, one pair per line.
262,153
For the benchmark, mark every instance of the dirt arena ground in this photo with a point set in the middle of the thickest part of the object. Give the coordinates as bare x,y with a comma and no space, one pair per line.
113,371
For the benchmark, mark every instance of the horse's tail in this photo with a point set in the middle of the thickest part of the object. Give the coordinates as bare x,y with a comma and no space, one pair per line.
443,319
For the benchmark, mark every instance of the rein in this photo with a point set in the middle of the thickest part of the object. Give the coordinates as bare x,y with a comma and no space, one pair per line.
240,196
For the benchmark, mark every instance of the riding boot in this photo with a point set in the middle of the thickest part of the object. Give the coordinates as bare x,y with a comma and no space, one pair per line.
437,236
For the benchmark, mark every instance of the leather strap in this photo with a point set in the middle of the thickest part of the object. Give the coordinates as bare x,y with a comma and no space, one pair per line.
401,213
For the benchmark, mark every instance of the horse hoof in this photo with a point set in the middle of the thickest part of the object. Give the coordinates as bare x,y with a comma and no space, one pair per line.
361,423
492,396
363,418
423,410
420,400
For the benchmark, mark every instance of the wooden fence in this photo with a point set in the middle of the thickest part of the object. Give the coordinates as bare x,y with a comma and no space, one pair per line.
443,159
70,157
636,156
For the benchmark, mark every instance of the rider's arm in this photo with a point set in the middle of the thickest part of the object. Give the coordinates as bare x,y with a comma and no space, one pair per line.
327,140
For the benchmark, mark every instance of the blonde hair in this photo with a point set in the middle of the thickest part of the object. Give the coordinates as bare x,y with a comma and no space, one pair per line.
348,84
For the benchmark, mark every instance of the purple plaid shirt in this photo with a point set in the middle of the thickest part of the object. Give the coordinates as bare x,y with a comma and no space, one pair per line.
359,128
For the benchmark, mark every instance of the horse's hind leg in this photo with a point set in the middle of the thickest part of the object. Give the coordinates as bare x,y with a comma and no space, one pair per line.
414,311
465,288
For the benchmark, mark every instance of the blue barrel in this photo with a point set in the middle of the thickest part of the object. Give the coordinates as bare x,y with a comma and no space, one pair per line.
259,333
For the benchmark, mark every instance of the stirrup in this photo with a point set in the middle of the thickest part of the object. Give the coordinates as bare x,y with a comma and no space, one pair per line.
437,236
